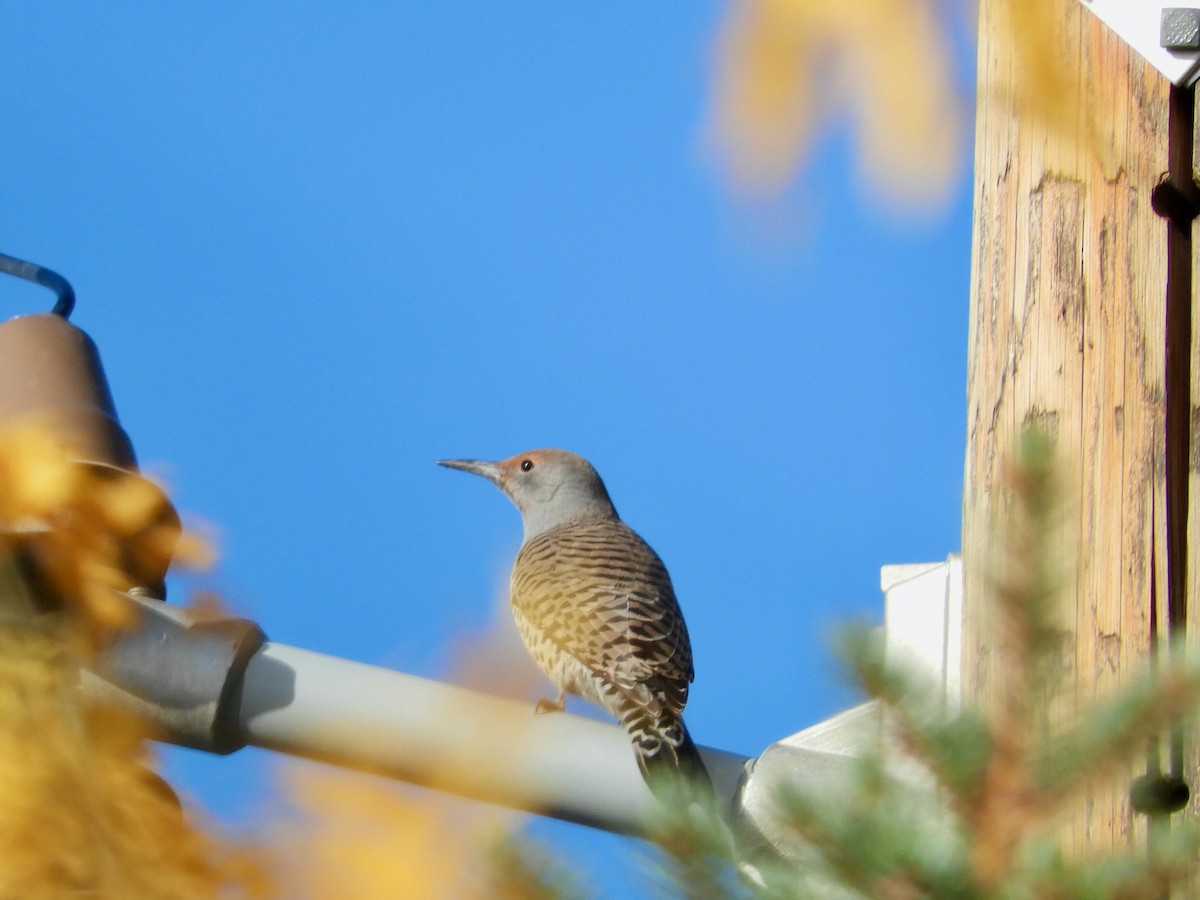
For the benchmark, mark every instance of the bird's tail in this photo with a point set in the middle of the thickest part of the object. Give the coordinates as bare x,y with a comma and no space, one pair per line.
666,755
692,826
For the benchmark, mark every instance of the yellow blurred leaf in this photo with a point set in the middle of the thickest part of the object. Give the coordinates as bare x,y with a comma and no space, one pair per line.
359,838
786,69
84,813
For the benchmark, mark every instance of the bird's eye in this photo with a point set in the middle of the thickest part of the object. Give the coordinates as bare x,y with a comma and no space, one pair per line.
526,465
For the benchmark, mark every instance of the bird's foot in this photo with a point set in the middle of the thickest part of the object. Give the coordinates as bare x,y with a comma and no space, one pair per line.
551,706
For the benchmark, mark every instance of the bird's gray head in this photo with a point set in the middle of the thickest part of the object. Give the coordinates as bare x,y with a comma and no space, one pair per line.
549,487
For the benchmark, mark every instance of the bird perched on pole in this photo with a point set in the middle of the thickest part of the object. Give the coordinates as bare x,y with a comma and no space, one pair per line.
595,607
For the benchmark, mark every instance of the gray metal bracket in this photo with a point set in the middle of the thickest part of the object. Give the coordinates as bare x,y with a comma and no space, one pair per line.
1167,37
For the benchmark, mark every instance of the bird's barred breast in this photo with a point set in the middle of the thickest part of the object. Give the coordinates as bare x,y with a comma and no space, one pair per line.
595,591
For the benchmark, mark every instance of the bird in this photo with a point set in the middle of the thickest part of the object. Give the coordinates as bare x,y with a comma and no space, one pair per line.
595,607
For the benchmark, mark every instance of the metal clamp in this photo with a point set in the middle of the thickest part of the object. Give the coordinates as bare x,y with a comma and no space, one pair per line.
182,675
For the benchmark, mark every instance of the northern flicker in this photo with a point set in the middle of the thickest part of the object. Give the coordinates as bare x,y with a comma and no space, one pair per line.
594,605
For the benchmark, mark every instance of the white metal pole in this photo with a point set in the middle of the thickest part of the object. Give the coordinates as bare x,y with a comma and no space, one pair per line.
450,738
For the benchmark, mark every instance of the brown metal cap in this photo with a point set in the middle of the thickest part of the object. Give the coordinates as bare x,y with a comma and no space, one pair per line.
50,371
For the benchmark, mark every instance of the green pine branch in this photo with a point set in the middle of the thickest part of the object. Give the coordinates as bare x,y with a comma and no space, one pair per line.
962,803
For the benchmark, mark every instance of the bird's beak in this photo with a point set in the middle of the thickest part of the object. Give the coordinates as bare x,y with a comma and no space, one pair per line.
489,470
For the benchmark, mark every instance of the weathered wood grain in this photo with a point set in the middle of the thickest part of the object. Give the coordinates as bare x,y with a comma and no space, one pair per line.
1066,330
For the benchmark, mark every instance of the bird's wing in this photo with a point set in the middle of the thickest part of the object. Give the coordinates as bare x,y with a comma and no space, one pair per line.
597,591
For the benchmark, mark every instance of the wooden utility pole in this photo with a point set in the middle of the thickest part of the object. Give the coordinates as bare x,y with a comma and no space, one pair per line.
1068,331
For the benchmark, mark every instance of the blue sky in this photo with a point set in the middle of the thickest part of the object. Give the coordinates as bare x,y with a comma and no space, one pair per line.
320,250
